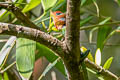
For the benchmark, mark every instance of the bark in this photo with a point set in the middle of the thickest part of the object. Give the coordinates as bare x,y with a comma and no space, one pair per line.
73,28
19,15
55,45
107,75
69,50
33,34
72,40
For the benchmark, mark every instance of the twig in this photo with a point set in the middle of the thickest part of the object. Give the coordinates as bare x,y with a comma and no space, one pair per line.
40,36
8,67
4,40
99,25
94,43
107,75
20,16
33,34
12,3
6,50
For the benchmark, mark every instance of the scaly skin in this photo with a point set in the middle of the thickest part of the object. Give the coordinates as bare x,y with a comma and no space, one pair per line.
59,19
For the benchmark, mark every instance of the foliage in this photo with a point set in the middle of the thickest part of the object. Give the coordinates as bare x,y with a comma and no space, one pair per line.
25,60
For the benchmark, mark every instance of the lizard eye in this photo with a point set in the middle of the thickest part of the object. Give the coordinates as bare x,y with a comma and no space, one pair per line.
58,13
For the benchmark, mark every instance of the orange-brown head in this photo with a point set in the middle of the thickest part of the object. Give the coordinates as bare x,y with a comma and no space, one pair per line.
59,19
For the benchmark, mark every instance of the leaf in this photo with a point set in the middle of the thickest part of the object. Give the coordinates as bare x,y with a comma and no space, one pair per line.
82,22
49,67
63,30
59,2
47,4
43,17
98,57
6,76
25,57
0,76
110,35
51,27
54,29
32,4
7,48
104,21
100,78
86,2
90,57
96,28
97,8
50,56
102,35
4,15
60,6
92,71
83,2
18,1
103,32
108,63
91,33
118,1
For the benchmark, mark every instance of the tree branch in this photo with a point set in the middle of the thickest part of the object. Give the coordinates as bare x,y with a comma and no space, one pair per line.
20,16
33,34
73,28
52,43
107,75
99,25
72,41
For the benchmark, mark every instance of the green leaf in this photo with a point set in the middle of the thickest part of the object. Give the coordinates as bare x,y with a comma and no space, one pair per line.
0,76
4,15
82,22
60,6
86,2
25,57
104,21
108,63
110,35
55,29
49,67
102,35
118,1
98,57
51,27
91,33
7,48
100,78
47,4
103,32
43,17
50,56
63,30
6,76
18,1
99,32
97,8
118,28
83,2
32,4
